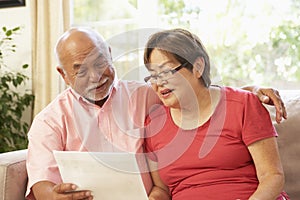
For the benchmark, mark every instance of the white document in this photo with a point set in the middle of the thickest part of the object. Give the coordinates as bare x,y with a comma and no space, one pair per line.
110,176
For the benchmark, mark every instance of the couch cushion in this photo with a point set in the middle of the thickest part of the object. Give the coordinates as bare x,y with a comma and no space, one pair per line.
13,175
289,142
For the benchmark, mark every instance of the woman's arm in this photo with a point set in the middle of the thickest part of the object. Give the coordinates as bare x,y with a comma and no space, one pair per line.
159,190
268,167
269,96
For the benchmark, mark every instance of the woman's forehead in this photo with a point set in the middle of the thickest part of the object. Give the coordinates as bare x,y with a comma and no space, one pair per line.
159,56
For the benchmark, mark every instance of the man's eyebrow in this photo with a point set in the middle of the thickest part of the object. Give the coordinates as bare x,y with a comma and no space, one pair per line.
100,56
76,66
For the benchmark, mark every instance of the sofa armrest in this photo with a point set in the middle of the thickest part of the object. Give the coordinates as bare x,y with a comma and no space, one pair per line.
13,175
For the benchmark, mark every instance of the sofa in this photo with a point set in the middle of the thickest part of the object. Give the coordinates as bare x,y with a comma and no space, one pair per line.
289,142
13,175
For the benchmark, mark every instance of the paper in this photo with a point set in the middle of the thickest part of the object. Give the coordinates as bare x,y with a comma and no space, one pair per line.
110,176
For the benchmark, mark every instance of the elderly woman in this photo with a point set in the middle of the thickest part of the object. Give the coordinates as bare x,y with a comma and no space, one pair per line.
207,141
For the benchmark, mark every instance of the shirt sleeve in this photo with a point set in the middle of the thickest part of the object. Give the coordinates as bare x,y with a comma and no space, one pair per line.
41,165
257,124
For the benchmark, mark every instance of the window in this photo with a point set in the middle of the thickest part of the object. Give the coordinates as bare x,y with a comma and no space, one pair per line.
249,41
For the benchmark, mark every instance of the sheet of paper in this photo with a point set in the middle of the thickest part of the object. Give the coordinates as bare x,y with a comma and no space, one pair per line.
110,176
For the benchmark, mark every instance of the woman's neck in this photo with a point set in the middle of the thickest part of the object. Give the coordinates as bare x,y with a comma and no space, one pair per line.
196,112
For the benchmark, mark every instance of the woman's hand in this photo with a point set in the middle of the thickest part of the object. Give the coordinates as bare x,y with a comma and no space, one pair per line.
158,193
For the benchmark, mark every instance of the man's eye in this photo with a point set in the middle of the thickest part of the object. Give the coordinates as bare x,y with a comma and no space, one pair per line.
99,65
102,64
81,73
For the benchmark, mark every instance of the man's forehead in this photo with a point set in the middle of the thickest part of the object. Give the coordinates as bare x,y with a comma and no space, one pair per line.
97,53
94,52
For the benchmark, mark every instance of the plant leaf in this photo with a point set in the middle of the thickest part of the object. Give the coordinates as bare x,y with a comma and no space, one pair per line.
8,33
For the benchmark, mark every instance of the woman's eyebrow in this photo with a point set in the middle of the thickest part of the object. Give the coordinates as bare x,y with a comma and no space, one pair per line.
164,63
161,65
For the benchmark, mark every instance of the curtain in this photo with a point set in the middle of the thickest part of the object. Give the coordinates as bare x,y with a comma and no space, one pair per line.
50,18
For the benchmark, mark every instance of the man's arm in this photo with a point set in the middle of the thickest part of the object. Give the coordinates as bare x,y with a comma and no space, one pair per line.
269,96
46,190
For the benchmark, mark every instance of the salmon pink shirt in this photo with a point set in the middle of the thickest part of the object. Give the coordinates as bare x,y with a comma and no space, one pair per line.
71,123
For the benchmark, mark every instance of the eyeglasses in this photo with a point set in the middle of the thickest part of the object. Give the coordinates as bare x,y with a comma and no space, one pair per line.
164,75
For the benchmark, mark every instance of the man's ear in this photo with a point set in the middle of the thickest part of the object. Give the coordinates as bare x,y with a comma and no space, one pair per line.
109,49
62,74
198,67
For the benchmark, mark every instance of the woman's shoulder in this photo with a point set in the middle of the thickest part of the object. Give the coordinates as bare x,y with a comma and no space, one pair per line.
237,94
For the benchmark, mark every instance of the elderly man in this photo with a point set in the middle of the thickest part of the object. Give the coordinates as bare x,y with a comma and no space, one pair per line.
96,113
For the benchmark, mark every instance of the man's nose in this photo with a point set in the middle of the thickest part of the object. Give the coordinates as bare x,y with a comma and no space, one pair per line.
95,75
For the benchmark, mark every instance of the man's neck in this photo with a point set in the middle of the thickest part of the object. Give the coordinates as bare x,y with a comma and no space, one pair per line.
99,103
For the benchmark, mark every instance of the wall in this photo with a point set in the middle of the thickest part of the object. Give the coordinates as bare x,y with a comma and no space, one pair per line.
19,16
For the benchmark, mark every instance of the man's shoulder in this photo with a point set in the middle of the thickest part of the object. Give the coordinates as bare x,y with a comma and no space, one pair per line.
61,101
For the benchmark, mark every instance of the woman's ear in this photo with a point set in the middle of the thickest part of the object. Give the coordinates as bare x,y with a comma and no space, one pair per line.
198,67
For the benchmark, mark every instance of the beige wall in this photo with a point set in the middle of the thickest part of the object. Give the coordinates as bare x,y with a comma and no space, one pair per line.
19,16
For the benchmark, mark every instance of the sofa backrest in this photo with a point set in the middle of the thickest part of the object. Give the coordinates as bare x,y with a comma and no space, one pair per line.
289,141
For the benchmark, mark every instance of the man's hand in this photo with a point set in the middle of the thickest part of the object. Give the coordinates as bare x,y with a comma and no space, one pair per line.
46,190
270,96
68,191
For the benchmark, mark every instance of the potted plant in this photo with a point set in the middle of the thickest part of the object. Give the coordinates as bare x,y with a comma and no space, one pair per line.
13,101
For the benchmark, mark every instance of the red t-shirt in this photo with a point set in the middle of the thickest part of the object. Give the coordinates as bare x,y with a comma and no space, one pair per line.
211,161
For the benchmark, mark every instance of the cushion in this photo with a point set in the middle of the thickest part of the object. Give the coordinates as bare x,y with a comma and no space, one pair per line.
13,175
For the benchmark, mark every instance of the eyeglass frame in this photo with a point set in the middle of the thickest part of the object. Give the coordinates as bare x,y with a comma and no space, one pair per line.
173,71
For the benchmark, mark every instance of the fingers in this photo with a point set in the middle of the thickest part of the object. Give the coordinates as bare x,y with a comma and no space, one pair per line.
279,105
64,187
271,96
67,191
79,195
275,99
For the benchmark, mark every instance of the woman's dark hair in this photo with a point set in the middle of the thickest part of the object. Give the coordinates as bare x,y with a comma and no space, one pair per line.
183,46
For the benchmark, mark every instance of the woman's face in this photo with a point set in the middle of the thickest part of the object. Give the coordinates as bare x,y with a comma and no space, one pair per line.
173,87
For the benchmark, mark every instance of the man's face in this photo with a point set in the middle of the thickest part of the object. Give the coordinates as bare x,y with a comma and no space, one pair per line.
89,71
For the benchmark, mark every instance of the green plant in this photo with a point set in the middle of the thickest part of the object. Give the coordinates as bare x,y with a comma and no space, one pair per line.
13,102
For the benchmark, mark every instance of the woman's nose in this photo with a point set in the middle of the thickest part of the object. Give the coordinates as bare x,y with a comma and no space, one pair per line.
160,81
